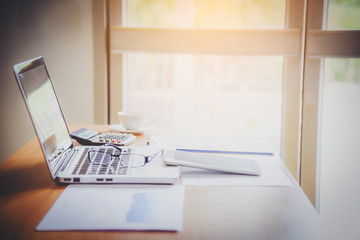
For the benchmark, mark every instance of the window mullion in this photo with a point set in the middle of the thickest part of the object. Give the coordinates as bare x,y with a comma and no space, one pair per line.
292,91
115,84
326,43
312,67
205,41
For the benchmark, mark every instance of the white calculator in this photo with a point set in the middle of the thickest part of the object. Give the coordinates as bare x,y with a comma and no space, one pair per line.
87,136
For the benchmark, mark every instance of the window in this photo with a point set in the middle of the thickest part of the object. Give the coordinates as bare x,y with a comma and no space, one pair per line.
330,79
221,94
211,14
338,146
195,64
207,93
343,14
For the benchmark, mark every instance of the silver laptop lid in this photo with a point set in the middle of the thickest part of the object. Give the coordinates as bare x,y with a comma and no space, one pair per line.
45,112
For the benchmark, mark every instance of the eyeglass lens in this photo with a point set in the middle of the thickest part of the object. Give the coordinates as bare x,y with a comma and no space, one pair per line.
132,160
99,157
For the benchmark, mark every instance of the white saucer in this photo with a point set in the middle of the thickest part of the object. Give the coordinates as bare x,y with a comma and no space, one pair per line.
120,128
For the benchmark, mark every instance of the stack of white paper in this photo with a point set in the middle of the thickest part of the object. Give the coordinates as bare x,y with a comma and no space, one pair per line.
271,175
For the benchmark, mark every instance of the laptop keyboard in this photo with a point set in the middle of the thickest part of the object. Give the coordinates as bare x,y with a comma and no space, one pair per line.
85,167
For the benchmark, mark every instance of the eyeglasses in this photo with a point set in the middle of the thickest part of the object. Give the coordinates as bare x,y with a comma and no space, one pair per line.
112,154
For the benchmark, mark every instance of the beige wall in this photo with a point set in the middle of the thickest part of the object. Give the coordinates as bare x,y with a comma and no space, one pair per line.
62,32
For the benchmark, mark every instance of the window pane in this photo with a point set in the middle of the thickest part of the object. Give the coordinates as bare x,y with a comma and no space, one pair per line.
226,14
340,148
224,95
343,14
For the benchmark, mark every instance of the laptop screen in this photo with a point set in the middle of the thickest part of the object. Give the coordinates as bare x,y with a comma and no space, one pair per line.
44,110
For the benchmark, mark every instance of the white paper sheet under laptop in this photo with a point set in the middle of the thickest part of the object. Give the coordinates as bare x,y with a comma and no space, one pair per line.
73,164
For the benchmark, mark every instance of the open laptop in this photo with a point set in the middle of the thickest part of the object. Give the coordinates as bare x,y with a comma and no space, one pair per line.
81,164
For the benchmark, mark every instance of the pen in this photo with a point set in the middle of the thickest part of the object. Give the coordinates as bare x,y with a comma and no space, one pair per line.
148,142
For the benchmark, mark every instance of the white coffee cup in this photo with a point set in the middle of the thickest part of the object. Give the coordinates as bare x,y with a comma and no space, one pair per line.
135,121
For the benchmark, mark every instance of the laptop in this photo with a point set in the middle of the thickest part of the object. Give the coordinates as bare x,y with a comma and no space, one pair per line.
82,164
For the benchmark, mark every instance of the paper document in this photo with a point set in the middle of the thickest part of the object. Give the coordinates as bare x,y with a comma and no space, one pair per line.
211,161
214,144
116,207
271,175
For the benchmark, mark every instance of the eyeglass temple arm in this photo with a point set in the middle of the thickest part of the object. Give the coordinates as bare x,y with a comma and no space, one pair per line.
151,157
